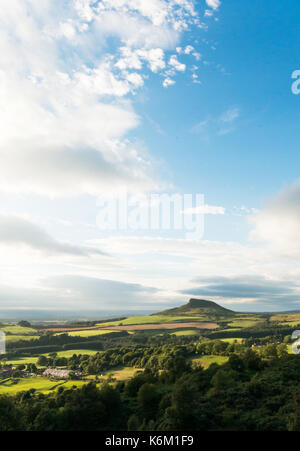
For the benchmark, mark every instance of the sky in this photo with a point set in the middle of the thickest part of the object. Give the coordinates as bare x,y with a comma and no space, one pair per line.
106,100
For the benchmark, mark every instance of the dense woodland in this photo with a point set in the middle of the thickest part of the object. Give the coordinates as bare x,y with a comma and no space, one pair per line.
247,393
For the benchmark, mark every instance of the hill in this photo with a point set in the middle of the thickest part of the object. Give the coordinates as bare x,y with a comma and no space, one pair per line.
199,307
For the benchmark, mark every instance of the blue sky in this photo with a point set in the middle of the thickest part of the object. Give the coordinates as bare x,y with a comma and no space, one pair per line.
149,97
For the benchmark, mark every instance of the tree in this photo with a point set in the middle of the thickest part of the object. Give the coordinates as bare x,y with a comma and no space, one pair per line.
133,423
31,368
282,350
148,400
236,363
24,324
11,418
42,360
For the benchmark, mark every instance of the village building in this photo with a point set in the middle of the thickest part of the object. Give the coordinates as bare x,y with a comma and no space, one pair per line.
59,373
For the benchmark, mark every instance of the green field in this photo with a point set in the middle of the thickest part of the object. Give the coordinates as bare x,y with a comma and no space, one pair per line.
286,317
44,385
290,323
206,360
149,319
21,361
69,353
40,384
87,333
185,332
243,323
232,340
15,329
233,329
122,374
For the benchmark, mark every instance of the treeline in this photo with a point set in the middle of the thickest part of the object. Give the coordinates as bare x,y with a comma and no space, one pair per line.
259,331
55,343
60,339
151,357
247,393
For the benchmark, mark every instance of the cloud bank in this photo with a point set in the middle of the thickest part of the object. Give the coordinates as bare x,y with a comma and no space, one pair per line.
66,97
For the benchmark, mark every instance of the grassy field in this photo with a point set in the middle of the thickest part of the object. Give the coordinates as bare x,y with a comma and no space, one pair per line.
13,386
70,352
21,361
87,333
122,374
185,332
44,385
233,329
286,317
15,329
40,384
24,360
155,319
290,323
206,360
243,323
232,340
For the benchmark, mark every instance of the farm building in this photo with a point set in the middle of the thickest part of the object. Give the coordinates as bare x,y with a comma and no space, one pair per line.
59,373
53,372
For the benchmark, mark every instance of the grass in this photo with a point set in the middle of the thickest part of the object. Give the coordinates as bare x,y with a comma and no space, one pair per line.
119,374
290,323
286,317
87,333
185,332
233,329
69,353
232,340
17,330
40,384
44,385
155,319
71,384
243,323
21,361
207,360
123,374
13,386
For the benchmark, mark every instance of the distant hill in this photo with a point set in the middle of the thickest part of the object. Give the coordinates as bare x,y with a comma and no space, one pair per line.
199,307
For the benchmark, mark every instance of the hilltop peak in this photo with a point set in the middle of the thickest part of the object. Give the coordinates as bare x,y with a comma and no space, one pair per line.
199,307
198,303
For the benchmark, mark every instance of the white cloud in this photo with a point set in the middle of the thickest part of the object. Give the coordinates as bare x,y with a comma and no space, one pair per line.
168,82
99,293
188,49
77,292
206,210
278,222
221,125
176,64
16,231
133,59
214,4
65,109
230,115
